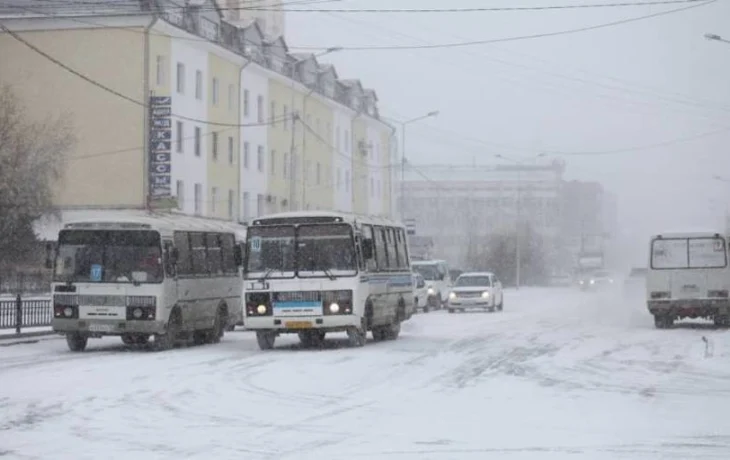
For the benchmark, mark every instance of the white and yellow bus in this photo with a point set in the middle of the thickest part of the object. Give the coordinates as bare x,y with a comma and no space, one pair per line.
139,275
311,273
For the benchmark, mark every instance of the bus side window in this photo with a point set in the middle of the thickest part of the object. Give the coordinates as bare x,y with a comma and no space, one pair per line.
367,235
169,258
184,262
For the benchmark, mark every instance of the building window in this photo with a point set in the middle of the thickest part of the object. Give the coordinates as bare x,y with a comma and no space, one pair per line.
230,150
180,195
347,181
181,78
160,70
260,158
272,115
246,148
197,141
198,84
246,206
231,97
329,131
259,205
319,126
245,102
214,138
285,166
339,179
198,199
372,187
319,173
346,141
179,136
260,108
337,139
231,200
285,117
215,90
213,200
272,162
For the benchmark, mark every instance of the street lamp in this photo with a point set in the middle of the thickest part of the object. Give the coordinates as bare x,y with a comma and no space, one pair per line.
403,124
518,249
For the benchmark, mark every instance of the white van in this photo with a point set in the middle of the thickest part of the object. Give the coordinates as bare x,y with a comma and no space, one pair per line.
438,280
688,277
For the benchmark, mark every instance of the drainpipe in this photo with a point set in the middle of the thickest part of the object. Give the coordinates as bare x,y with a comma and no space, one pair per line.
240,140
146,117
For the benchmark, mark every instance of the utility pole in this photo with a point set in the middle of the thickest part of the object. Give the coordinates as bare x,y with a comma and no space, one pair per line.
292,180
518,252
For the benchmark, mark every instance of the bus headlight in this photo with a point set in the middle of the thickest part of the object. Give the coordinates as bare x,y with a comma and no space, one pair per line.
485,295
137,313
452,295
334,307
68,311
261,309
430,291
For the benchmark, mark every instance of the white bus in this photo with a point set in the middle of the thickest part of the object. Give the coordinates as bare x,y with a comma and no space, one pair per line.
311,273
139,274
688,277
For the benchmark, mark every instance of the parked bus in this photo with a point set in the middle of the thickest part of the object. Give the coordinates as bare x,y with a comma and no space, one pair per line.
688,277
139,274
311,273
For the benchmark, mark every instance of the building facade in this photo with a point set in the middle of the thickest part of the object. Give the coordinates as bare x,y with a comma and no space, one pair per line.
268,13
461,206
181,108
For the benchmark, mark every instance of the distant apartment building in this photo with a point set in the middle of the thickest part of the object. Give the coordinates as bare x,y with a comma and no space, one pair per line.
268,13
460,205
185,109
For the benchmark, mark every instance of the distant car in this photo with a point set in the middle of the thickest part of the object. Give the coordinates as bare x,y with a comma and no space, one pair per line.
476,290
420,293
596,280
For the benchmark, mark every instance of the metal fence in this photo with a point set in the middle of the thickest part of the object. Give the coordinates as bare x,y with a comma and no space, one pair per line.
19,313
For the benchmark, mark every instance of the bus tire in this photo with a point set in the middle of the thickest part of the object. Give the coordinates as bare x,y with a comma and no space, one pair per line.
393,331
265,339
76,342
168,340
219,325
357,336
663,321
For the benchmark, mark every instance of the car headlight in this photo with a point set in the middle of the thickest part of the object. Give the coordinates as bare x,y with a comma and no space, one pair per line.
334,307
581,282
452,295
485,295
593,281
261,309
430,291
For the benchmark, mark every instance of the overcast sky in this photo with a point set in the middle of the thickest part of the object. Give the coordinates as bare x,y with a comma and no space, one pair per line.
619,88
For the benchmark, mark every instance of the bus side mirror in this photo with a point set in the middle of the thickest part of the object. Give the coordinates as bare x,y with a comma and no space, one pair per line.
367,249
49,256
238,255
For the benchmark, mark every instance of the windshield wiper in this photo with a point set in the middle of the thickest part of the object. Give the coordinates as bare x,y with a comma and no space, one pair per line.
266,275
329,274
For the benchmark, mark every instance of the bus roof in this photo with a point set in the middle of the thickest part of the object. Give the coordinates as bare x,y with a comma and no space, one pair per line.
351,218
164,222
695,233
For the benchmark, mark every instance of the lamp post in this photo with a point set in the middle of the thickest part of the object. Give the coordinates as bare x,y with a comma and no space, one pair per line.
403,125
518,245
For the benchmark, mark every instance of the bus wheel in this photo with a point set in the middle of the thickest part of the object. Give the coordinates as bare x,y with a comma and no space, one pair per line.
357,336
663,321
380,333
722,321
167,341
76,341
393,331
219,326
128,339
265,339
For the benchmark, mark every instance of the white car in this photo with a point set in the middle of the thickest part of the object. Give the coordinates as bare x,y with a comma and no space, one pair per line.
420,293
476,290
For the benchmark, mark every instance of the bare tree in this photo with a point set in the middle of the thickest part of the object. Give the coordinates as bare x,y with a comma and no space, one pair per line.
32,161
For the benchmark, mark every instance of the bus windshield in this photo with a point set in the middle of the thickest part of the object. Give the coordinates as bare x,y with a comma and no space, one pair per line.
108,256
307,251
688,253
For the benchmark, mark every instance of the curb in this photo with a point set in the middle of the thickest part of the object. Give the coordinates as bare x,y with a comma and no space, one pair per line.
24,335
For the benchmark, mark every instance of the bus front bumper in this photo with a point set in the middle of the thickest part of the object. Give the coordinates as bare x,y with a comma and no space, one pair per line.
99,328
330,323
689,308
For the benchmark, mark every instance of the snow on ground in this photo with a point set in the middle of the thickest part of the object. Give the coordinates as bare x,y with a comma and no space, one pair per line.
559,374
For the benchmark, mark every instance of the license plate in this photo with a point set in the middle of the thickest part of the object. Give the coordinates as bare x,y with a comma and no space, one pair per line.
100,327
298,324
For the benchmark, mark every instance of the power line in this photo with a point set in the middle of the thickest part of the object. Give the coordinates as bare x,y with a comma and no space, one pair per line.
395,10
513,38
112,91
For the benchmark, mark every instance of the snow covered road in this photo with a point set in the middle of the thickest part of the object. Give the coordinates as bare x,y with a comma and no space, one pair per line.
559,374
